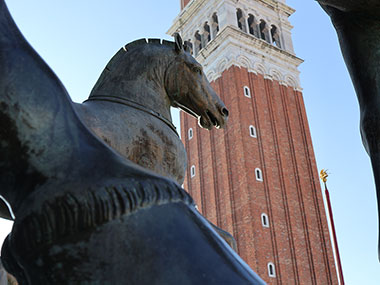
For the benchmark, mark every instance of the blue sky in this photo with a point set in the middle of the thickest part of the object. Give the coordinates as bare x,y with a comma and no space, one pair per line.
77,38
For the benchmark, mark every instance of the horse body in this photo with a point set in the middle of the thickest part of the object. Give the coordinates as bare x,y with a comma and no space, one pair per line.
143,139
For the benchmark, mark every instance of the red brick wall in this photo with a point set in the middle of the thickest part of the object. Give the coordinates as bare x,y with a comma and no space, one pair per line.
184,3
228,194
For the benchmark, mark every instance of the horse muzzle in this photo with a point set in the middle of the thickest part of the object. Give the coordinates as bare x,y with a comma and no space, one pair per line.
216,118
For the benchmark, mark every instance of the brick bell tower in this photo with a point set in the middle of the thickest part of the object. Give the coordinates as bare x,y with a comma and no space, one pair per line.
257,178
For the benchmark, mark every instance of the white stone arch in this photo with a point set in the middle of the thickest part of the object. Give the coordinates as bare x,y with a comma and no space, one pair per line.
259,68
211,75
290,81
222,64
256,14
243,9
243,61
276,75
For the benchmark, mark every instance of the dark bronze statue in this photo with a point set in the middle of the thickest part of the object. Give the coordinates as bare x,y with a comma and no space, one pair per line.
83,214
357,23
129,107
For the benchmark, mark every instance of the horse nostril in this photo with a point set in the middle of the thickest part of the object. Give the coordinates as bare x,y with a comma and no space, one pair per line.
225,112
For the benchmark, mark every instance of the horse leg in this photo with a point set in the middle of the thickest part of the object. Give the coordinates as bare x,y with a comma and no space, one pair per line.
357,28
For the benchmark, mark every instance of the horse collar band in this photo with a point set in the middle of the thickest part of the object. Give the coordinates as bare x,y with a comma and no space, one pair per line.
133,104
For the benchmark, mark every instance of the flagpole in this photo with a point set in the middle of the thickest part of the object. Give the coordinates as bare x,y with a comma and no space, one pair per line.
323,176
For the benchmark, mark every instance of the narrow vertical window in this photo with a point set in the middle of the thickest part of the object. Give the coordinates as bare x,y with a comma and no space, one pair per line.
252,26
192,171
264,31
265,220
247,92
197,43
259,174
275,36
206,34
190,134
271,270
252,131
241,20
189,46
215,25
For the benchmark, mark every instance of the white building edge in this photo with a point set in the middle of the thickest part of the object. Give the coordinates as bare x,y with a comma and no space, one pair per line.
254,34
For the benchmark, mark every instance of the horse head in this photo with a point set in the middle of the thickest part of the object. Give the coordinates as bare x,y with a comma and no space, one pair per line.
189,89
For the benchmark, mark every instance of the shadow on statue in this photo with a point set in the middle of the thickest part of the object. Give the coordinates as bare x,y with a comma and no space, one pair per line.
83,213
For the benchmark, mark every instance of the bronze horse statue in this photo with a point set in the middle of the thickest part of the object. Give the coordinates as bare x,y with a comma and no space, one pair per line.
83,214
129,106
357,23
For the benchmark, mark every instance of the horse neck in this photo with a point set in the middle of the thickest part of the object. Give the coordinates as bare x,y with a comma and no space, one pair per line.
137,79
150,94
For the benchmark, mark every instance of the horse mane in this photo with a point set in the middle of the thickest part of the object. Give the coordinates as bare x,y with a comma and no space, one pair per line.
115,60
140,42
76,212
135,44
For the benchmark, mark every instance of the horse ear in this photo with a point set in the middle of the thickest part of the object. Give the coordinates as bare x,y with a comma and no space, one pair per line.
178,42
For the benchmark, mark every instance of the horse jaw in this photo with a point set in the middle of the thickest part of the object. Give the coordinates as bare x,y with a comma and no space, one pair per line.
208,120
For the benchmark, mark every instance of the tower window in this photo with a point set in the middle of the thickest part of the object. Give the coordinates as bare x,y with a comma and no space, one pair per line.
275,36
241,20
190,134
197,43
215,25
252,25
264,31
189,46
259,174
265,220
247,92
192,171
252,131
206,34
271,270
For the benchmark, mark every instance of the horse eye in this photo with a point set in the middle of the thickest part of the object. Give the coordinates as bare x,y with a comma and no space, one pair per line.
197,69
